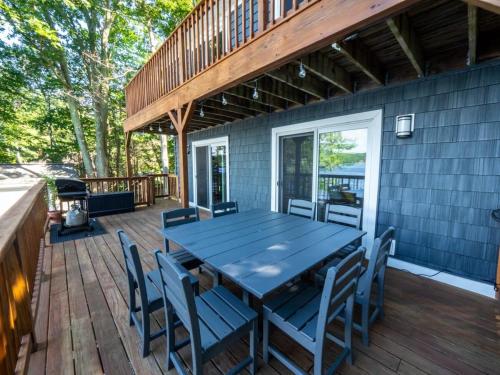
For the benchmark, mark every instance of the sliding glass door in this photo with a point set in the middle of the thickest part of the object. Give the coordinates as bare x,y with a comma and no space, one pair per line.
333,161
296,168
210,172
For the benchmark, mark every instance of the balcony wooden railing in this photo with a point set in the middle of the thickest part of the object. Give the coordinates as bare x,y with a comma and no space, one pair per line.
145,188
23,227
211,32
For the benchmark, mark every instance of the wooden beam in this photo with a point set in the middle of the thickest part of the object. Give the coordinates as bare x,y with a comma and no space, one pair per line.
229,107
279,90
472,31
264,99
307,30
320,65
356,52
407,39
245,104
489,5
223,110
289,76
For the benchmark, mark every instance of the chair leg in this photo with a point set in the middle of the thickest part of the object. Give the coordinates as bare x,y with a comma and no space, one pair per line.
318,362
348,328
253,346
380,295
265,339
365,321
146,335
170,342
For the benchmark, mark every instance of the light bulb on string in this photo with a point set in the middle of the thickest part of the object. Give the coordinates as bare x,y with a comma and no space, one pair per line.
255,94
302,70
224,100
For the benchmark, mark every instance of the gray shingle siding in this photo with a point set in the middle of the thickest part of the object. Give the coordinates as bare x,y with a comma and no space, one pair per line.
438,187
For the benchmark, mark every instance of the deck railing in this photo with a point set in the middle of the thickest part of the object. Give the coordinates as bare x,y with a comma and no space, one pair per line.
211,32
22,228
146,188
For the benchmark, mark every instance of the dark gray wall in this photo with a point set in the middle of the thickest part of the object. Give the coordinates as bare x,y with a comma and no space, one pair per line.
437,188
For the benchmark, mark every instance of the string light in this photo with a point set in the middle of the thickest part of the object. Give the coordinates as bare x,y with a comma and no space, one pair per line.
171,126
202,114
224,101
302,70
255,95
150,127
160,129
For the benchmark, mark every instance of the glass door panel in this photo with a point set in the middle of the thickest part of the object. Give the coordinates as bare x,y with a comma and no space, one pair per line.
341,168
202,176
219,173
296,168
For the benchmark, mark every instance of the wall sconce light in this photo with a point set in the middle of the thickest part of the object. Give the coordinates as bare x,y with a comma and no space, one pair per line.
405,125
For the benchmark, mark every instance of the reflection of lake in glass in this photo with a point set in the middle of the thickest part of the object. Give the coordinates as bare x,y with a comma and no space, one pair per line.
341,172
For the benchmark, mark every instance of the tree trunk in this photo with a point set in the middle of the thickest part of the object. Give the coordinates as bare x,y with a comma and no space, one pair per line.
165,163
101,132
80,138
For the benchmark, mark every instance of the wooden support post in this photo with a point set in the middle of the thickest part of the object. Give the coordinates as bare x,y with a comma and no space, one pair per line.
472,27
128,139
180,119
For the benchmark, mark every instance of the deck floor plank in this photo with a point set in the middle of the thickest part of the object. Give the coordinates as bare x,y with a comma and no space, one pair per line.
429,328
112,353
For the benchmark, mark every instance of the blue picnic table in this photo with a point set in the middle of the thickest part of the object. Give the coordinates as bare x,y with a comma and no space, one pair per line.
261,250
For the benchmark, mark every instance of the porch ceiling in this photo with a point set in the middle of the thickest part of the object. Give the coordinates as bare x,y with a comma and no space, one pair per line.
429,37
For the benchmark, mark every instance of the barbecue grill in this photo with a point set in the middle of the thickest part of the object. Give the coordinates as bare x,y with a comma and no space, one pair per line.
73,190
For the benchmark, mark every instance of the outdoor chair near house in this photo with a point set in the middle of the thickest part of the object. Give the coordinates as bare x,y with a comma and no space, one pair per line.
374,273
304,311
214,320
225,208
302,208
344,215
149,292
174,218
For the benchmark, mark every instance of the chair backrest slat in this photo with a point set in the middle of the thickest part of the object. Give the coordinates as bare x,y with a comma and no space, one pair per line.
345,215
179,294
302,208
380,252
225,208
179,216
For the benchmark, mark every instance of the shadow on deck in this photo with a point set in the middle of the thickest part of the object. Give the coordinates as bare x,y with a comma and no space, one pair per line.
83,317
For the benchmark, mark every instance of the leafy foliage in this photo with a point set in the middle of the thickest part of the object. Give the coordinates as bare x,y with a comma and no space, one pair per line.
63,66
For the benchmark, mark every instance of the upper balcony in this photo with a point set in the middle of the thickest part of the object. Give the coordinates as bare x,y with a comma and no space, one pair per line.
224,43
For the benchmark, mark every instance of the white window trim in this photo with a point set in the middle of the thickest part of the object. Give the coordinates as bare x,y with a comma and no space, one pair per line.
220,141
372,120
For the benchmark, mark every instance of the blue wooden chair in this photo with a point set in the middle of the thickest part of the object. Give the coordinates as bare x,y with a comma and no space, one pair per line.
149,287
226,208
174,218
304,311
374,273
150,297
344,215
214,320
302,208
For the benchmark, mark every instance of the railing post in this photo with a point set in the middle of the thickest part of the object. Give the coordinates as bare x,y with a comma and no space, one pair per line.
180,52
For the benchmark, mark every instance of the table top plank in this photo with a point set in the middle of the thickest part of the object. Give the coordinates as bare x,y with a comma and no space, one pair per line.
232,251
280,251
251,228
267,279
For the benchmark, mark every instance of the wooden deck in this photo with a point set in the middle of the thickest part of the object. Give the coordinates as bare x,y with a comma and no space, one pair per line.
83,325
